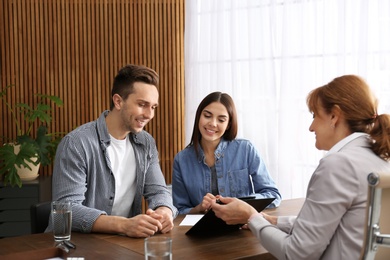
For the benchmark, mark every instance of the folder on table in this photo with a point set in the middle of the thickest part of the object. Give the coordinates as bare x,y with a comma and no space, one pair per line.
210,224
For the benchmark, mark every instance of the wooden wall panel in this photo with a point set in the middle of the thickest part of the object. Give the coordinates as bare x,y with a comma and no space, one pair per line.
74,48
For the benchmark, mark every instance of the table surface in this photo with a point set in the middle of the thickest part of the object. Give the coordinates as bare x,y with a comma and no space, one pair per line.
240,244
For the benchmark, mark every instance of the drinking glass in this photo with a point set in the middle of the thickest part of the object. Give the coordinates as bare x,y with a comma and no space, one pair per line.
158,248
61,213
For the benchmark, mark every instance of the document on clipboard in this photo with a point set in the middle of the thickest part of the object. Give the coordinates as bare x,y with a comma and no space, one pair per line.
210,224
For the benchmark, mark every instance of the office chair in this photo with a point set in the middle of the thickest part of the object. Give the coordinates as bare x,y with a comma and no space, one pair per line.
376,243
40,214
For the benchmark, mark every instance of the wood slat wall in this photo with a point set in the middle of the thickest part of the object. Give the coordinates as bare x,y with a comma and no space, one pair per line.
74,48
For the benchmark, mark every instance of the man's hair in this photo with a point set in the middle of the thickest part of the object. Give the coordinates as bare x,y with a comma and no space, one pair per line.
127,76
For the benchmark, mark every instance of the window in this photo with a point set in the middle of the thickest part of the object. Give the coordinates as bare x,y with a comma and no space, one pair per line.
269,54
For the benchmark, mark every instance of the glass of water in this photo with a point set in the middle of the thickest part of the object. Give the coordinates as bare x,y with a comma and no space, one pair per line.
61,214
158,248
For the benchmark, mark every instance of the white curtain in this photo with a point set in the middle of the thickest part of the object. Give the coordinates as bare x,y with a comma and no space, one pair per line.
268,54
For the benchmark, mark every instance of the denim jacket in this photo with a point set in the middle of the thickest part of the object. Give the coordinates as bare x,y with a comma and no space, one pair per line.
240,172
83,175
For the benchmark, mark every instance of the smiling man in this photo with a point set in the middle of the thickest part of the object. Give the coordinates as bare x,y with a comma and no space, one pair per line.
105,167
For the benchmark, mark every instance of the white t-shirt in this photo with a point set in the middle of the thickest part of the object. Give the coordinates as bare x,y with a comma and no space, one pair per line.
123,165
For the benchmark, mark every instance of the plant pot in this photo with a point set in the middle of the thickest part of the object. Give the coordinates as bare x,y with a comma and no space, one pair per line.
24,173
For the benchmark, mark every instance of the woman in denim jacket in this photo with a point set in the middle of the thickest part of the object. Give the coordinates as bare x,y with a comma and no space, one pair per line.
217,163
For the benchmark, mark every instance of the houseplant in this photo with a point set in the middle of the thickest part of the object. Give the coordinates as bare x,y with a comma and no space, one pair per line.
28,149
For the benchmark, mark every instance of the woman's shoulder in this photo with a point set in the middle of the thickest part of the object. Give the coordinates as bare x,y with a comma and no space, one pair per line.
241,142
359,160
187,151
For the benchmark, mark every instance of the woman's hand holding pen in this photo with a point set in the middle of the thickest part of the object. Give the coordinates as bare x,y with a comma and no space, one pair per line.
207,201
205,205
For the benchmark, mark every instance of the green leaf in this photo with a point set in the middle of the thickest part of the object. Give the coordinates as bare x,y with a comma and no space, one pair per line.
11,160
23,107
44,145
4,91
13,179
55,141
42,112
8,159
54,99
27,153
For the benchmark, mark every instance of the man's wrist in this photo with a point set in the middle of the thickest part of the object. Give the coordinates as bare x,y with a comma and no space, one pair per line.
164,208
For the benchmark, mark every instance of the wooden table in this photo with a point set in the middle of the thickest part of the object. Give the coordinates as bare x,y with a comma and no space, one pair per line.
237,245
41,246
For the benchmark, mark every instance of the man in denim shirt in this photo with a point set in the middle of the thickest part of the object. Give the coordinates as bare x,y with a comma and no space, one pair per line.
105,167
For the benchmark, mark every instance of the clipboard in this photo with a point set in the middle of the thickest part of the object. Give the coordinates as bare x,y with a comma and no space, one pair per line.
211,225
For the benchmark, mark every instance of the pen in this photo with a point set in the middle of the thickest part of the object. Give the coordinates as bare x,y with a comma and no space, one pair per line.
208,209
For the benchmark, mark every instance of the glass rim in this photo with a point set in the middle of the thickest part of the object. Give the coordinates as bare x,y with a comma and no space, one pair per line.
61,202
158,239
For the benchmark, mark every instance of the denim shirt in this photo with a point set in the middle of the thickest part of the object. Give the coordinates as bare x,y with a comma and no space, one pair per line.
83,175
240,172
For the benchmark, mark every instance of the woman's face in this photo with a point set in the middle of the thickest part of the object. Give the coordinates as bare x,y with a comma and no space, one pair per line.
213,122
324,130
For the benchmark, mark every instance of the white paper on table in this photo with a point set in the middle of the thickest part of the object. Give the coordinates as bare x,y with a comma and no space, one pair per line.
191,219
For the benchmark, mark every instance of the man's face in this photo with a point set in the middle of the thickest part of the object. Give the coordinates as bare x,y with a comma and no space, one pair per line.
139,107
